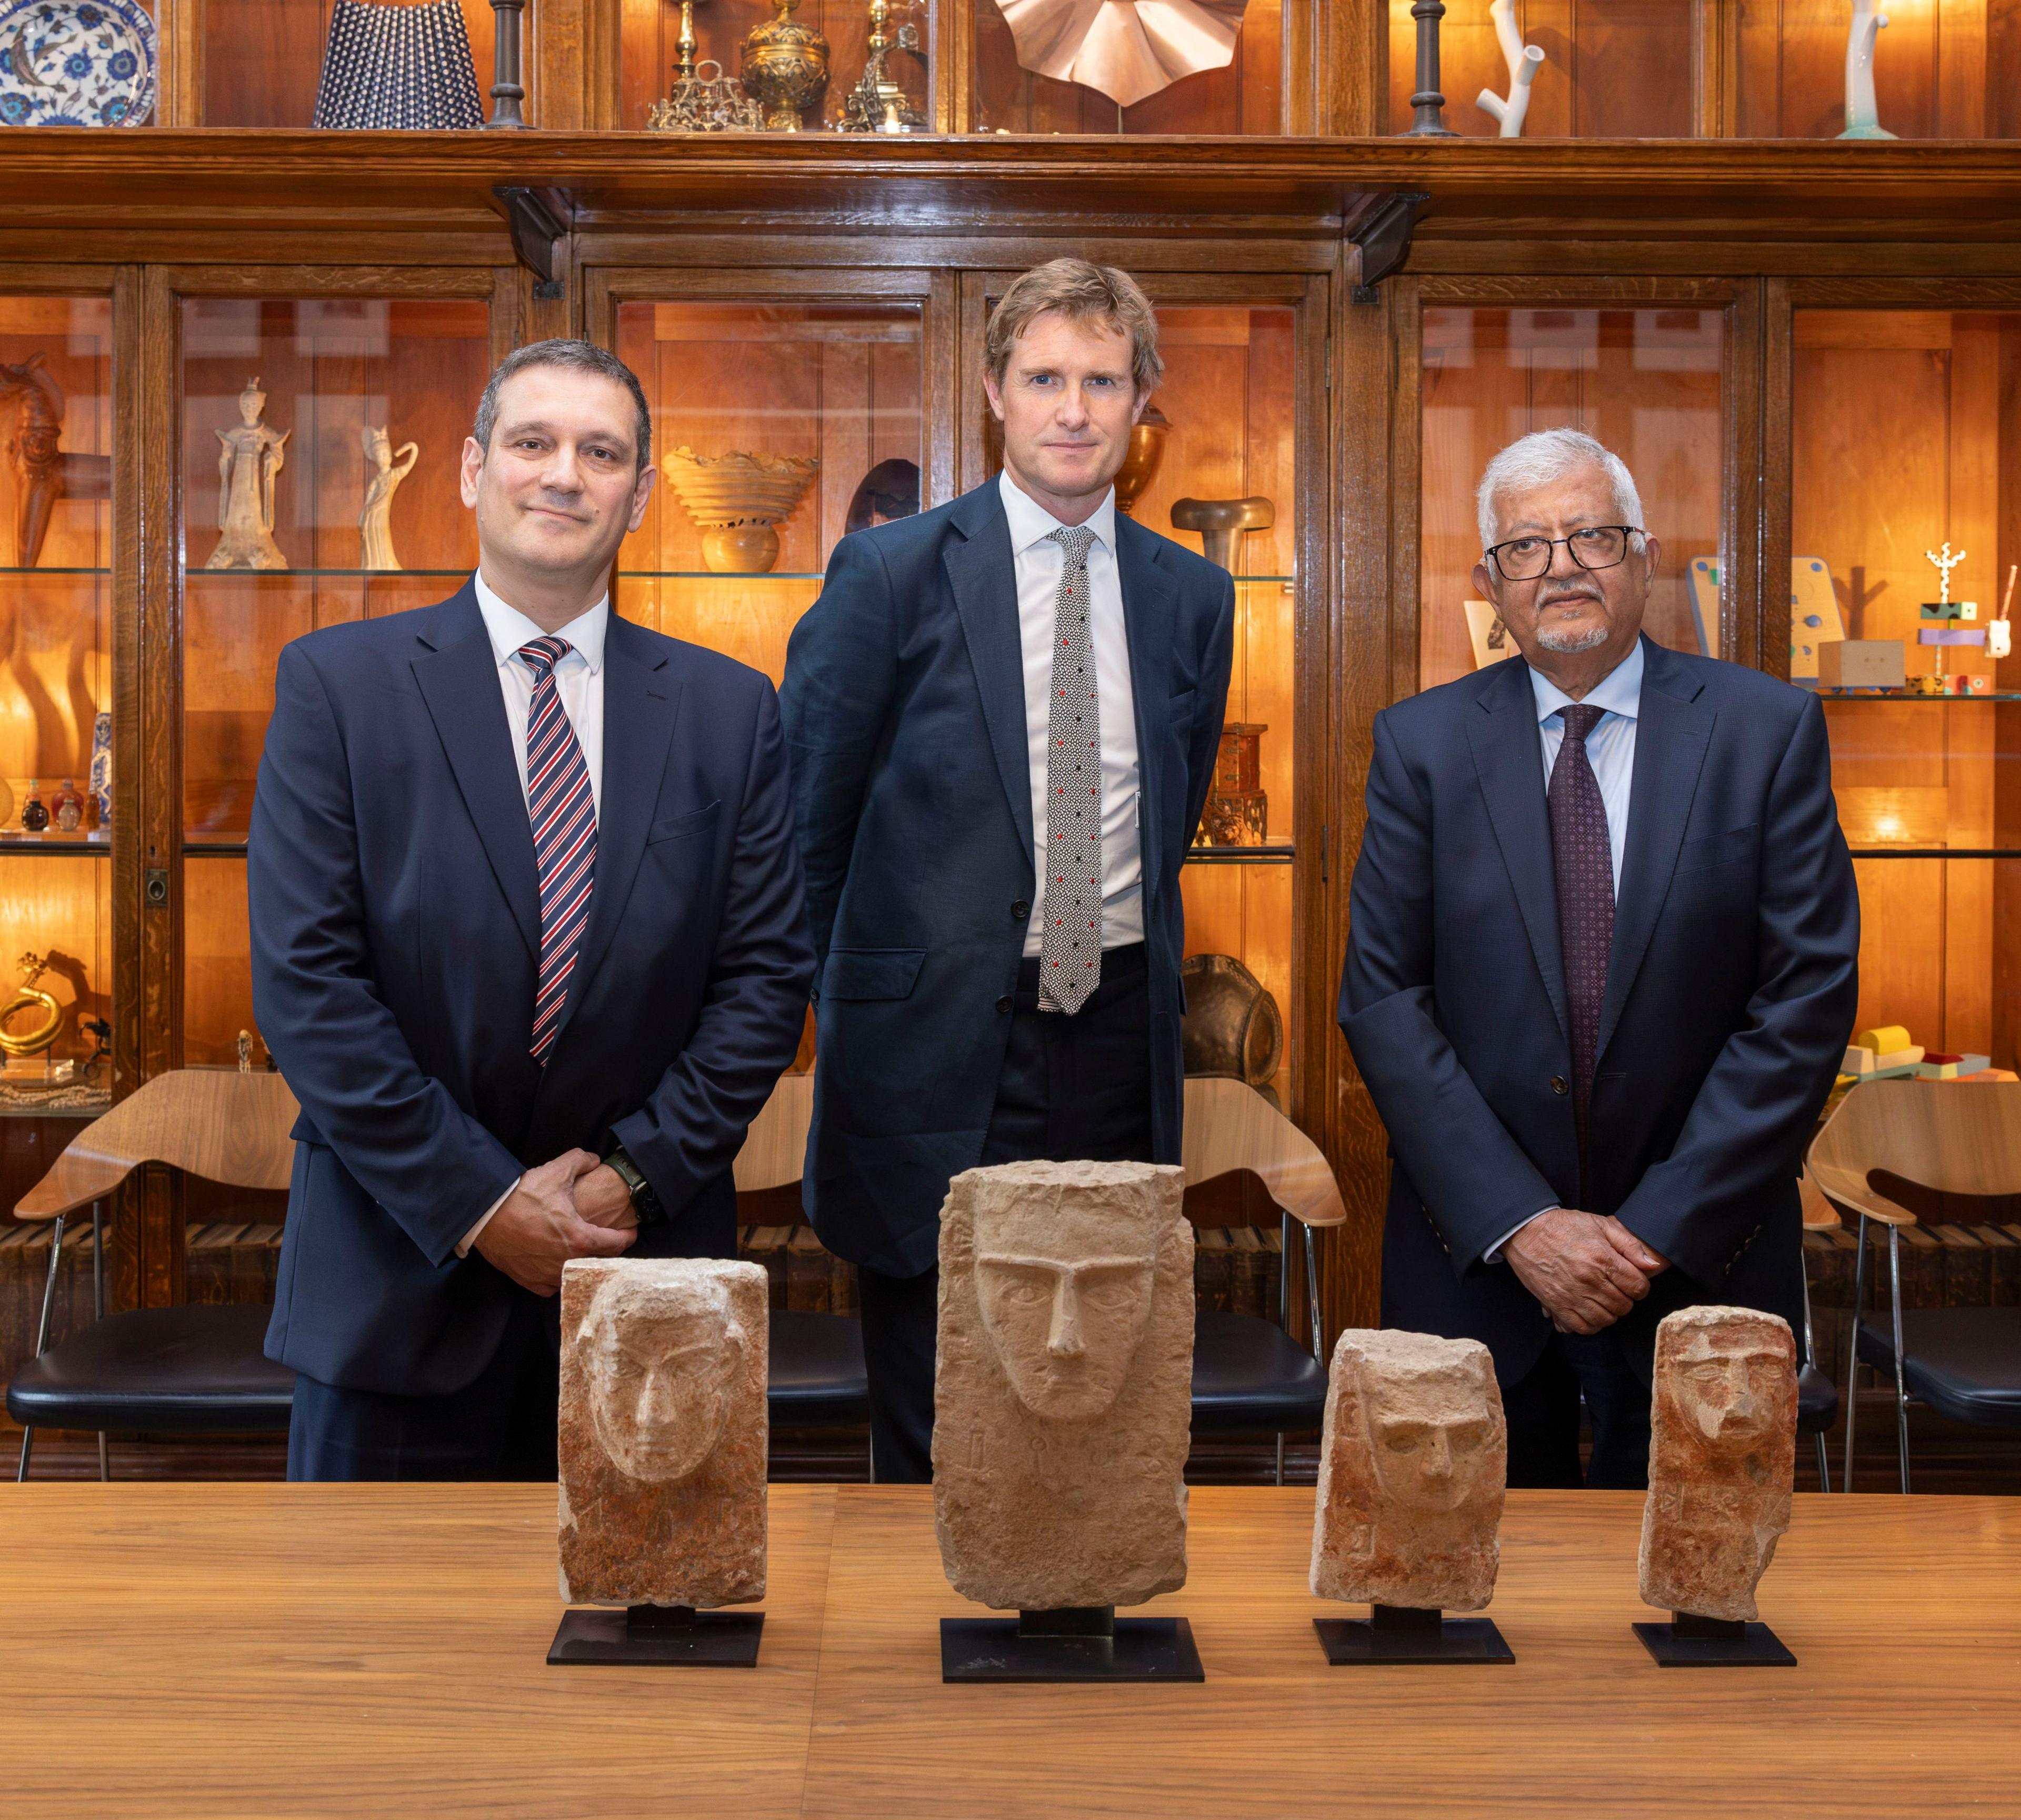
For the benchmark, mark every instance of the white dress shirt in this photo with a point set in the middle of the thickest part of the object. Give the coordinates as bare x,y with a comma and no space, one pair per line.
1039,565
579,677
1610,749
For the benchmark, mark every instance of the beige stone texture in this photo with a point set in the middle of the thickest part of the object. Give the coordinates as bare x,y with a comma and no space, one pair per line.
663,1432
1722,1459
1063,1398
1414,1466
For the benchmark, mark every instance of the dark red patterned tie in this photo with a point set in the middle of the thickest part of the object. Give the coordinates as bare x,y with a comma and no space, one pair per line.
564,815
1583,860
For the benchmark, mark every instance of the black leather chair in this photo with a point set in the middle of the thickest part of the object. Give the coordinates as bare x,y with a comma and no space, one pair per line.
1817,1396
189,1370
1957,1143
1249,1376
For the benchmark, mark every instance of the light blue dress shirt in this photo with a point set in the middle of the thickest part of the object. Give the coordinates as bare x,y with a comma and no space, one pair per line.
1610,749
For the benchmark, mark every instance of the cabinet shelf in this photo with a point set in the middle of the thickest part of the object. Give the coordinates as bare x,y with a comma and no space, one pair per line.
69,846
1839,695
321,574
50,569
1276,854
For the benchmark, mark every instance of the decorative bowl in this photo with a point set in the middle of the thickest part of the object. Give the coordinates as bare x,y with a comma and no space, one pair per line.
736,500
76,62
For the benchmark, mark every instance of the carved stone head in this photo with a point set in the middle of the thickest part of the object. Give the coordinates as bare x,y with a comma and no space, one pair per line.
662,1441
1413,1465
252,401
661,1354
1722,1458
378,446
1063,1394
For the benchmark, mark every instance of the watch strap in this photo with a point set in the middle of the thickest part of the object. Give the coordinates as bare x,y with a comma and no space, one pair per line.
645,1203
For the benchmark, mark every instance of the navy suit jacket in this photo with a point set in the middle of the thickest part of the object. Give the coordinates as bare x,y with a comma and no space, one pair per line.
396,933
1730,996
904,710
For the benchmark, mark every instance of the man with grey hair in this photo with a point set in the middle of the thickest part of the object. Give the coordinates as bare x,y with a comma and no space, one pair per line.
1601,968
528,943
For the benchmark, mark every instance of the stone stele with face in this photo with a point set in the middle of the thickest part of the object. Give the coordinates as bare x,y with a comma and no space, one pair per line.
1414,1461
1063,1398
1722,1459
663,1432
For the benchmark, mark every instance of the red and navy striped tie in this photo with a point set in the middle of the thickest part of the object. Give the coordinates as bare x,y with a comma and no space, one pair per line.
564,814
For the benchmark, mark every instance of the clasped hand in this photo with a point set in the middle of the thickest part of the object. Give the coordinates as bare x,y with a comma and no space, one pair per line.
572,1208
1587,1269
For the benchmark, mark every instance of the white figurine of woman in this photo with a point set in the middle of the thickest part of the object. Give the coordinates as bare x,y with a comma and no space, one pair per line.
375,523
1522,60
1863,113
247,464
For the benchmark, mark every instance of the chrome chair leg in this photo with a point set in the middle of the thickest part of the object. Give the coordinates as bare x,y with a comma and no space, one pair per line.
98,1308
1313,1298
41,1339
1824,1466
1810,1358
1852,1350
1901,1388
1280,1459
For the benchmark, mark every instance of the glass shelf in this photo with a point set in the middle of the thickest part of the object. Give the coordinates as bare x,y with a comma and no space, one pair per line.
213,849
97,845
53,569
1936,852
1838,695
771,575
1276,854
318,574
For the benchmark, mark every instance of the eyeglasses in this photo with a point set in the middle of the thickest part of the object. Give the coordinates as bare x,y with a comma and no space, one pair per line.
1592,547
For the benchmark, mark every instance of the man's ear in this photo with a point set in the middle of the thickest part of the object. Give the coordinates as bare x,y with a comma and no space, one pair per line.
992,389
641,493
1143,404
1652,556
472,465
1486,586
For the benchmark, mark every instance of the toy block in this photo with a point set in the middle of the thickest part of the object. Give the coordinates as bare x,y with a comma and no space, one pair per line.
1884,1038
1951,635
1940,609
1861,663
1814,616
1967,682
1859,1062
1992,1074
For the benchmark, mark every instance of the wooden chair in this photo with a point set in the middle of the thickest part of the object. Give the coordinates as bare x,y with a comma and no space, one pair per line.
817,1376
197,1369
1949,1138
1817,1396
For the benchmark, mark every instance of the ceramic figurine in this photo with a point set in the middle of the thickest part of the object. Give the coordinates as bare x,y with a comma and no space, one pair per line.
1862,117
248,465
389,469
101,779
1523,61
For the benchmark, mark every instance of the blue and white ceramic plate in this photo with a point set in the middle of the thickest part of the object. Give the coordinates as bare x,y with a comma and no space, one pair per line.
76,62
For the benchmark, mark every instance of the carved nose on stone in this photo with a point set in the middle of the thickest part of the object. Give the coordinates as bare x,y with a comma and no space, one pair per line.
1438,1456
1064,1341
656,1401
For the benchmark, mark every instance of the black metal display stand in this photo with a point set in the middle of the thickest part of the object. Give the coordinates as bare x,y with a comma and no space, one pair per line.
1406,1634
658,1635
1084,1643
1687,1642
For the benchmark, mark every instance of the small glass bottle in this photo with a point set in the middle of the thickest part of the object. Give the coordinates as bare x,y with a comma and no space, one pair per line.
34,817
70,807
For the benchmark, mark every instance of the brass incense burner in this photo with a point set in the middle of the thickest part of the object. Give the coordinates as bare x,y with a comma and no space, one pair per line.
785,67
28,995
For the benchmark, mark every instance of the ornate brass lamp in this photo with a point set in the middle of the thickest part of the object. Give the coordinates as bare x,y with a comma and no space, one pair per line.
785,66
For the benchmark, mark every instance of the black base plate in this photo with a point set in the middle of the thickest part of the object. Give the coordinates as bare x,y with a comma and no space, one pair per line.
1757,1647
1353,1640
1143,1649
716,1639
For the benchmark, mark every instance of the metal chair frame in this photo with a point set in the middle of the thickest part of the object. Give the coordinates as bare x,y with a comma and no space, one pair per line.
42,1326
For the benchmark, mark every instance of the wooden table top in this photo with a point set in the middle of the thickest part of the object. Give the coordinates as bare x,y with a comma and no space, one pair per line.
271,1650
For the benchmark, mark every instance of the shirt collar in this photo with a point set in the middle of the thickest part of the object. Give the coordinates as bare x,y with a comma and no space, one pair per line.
509,629
1618,692
1031,523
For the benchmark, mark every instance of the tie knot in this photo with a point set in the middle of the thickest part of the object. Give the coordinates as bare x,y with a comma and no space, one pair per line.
541,656
1076,540
1580,719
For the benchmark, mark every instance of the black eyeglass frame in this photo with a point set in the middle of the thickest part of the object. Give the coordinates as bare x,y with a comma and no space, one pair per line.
1493,552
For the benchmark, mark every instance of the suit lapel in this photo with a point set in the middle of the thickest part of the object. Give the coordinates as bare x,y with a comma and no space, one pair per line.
458,675
1672,734
641,703
1150,618
1509,759
983,578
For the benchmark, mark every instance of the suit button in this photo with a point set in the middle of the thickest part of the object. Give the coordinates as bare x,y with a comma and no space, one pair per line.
1560,1085
1020,910
1006,1003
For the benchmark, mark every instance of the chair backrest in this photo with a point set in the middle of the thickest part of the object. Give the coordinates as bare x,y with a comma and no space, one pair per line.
217,1124
1229,1126
1955,1137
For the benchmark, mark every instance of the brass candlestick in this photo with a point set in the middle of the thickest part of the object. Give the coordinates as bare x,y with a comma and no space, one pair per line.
785,67
877,104
685,46
697,102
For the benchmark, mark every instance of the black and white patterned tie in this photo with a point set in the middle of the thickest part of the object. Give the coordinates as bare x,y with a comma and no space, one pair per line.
1070,945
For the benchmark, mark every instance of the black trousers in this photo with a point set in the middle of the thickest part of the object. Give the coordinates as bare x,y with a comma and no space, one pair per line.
1543,1413
1072,1090
501,1425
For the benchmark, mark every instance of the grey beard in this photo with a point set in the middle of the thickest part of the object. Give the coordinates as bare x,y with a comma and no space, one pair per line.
1570,643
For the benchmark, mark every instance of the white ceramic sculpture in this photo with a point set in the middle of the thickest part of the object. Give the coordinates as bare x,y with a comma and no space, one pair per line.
375,523
1862,116
249,462
1523,61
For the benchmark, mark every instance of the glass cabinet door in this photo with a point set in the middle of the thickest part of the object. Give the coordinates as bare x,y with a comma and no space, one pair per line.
1906,448
299,513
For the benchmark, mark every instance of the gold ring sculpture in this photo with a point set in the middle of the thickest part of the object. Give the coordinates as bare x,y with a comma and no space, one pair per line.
32,1042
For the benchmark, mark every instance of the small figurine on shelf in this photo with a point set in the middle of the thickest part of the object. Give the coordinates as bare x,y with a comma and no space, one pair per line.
101,779
34,816
248,465
69,809
1863,112
389,469
44,472
1523,61
28,997
877,104
245,1052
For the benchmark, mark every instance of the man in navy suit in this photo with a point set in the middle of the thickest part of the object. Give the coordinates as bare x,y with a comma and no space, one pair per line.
1004,715
524,896
1600,973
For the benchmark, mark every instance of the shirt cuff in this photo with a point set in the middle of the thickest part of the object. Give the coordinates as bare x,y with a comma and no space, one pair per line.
469,1239
1491,1255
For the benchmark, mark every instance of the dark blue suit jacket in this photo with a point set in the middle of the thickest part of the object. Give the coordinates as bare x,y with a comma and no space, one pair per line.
904,709
396,929
1730,996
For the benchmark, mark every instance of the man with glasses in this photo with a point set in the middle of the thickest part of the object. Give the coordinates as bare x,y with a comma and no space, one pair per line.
1602,965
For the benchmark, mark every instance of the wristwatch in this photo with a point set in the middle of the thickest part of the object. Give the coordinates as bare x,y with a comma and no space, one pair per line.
645,1203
